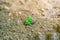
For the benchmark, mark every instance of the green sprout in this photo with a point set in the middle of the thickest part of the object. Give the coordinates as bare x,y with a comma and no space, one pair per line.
29,21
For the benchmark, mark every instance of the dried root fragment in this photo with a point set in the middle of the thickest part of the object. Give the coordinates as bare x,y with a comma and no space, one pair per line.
49,36
58,28
41,12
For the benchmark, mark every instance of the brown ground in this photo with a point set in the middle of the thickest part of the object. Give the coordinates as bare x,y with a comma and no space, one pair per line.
15,12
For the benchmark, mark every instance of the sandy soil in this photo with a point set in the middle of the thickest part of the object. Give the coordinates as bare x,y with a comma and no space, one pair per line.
45,13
